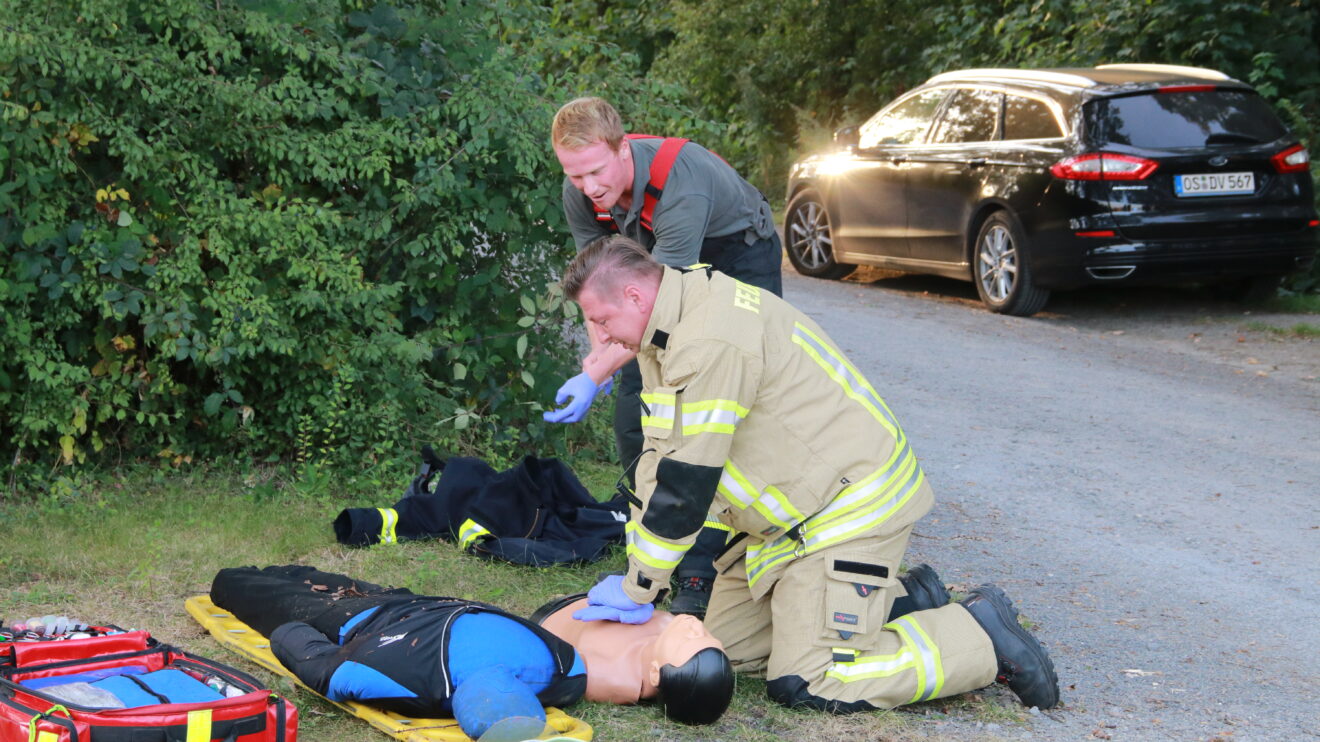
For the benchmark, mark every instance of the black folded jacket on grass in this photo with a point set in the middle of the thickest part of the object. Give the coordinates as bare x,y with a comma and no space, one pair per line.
536,513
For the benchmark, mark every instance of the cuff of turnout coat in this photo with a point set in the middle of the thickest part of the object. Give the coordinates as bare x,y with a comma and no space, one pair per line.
358,526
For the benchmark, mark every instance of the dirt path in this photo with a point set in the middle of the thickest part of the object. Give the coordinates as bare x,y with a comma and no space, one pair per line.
1138,470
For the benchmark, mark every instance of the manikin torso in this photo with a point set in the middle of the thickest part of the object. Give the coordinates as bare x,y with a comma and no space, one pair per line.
623,660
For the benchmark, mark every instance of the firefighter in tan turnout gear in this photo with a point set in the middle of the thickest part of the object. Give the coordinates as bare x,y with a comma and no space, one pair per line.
752,412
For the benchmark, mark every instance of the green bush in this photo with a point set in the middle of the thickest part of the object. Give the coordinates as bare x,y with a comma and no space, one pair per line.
312,230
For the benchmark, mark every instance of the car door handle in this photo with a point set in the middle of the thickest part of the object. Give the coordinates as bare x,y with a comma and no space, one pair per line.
978,162
899,160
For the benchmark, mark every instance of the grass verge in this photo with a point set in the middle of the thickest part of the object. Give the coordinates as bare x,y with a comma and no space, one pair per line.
1296,303
133,547
1298,330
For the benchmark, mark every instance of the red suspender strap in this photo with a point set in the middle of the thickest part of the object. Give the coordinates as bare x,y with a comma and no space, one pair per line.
655,186
660,167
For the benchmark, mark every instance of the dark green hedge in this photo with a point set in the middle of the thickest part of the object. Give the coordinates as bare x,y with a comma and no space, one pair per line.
310,229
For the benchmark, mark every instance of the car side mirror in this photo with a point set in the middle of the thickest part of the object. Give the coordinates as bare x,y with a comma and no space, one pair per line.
847,138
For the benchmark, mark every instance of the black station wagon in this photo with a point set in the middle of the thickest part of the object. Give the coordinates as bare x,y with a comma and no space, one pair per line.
1027,181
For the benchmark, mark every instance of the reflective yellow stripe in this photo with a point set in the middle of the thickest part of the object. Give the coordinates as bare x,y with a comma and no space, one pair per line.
873,666
736,489
199,726
712,416
861,507
929,667
880,508
715,524
651,550
847,377
895,472
762,557
658,412
389,519
777,509
469,532
771,504
45,737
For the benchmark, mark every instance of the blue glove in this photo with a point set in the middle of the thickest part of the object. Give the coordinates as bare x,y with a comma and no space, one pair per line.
582,390
608,602
606,613
608,386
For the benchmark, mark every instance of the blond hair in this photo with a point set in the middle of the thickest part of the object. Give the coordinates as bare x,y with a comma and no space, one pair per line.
607,262
582,122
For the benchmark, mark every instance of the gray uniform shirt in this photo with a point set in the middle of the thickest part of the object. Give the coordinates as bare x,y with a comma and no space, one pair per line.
703,198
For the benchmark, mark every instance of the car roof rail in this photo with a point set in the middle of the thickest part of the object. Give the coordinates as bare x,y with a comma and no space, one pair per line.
1172,69
1059,78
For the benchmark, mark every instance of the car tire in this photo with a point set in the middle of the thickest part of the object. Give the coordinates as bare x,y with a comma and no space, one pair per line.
808,239
1251,291
1000,268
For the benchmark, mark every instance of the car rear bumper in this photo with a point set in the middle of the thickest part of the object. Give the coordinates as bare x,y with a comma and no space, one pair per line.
1069,262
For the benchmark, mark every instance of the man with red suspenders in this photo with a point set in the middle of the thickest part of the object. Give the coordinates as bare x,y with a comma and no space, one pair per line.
686,205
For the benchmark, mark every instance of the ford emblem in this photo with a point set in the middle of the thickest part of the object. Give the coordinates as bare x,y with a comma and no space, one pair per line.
1219,161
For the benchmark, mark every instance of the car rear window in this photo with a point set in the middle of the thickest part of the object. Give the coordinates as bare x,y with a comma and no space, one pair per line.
1183,119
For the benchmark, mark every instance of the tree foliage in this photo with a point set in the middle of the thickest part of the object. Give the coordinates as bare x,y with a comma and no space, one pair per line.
319,229
780,74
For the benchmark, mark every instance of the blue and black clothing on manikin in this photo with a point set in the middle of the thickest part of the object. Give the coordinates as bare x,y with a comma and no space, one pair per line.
415,655
536,513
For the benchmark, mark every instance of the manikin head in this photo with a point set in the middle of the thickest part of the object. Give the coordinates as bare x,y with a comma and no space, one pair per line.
615,282
587,136
691,671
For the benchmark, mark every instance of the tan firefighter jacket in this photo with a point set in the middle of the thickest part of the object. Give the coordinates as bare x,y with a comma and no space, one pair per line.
751,412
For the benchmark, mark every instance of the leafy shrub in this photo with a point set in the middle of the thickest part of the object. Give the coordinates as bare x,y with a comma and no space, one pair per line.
313,230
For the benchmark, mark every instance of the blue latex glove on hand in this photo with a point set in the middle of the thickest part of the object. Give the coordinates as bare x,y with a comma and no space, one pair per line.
582,391
607,602
608,386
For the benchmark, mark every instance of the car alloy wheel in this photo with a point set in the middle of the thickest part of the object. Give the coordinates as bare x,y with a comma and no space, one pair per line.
1002,273
810,243
809,235
996,261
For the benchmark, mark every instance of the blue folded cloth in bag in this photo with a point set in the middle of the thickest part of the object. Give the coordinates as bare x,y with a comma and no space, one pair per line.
162,686
90,676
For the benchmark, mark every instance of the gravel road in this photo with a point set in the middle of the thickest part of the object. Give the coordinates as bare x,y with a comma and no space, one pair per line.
1140,471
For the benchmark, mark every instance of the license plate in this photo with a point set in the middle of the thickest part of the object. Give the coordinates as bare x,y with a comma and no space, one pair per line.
1214,184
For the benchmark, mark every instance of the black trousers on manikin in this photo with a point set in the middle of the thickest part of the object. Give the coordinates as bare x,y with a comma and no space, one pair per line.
299,609
757,264
267,598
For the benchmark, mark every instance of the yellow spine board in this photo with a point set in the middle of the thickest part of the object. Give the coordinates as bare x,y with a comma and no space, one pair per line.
239,637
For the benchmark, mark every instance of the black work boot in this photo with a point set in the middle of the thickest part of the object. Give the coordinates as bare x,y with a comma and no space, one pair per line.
1023,664
691,596
924,587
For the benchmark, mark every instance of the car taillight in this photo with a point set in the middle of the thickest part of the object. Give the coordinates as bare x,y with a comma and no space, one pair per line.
1103,166
1295,159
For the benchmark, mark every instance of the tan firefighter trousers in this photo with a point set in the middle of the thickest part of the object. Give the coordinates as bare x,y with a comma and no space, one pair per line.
821,639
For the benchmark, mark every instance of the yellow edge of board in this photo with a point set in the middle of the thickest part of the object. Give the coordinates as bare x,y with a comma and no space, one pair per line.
239,637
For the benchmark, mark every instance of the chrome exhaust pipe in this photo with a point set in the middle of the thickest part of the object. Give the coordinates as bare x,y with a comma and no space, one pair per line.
1111,272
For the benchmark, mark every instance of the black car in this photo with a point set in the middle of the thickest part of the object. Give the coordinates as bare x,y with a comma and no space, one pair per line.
1026,181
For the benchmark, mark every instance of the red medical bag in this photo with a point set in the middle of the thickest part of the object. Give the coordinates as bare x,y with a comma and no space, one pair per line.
251,713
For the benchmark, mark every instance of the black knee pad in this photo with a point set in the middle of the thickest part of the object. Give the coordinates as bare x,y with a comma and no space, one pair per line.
791,691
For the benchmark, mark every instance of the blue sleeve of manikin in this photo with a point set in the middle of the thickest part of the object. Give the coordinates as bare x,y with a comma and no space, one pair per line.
494,695
348,625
